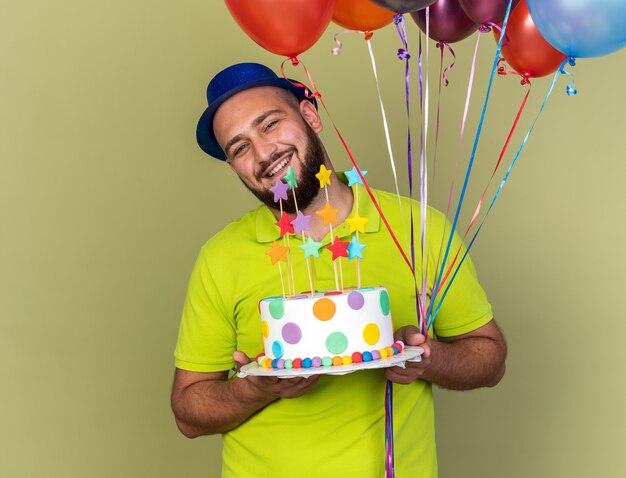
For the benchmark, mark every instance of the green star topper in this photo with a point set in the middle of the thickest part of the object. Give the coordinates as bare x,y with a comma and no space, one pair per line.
311,248
290,177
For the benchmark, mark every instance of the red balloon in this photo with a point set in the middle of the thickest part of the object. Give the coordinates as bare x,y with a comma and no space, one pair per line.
362,15
482,11
284,27
448,22
527,51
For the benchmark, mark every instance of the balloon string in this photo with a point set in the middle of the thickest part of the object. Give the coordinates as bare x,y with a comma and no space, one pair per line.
387,137
473,153
316,94
486,28
571,91
502,183
403,54
367,35
502,71
525,80
337,50
468,96
424,105
389,458
504,148
441,46
442,80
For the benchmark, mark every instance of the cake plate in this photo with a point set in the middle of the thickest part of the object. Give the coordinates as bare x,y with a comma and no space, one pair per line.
408,354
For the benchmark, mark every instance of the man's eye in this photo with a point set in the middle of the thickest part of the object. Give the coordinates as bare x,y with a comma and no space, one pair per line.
239,149
271,124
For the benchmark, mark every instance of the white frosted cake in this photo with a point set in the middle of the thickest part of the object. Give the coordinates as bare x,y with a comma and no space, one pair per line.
327,328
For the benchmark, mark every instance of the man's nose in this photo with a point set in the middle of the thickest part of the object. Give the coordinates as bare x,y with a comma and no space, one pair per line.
264,149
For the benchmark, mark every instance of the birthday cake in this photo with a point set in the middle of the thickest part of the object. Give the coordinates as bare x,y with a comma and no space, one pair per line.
327,329
323,329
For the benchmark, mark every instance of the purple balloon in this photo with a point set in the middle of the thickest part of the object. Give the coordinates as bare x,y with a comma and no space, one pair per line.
482,11
448,22
403,6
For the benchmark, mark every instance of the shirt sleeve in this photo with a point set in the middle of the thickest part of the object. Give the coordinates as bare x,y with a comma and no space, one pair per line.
460,305
207,334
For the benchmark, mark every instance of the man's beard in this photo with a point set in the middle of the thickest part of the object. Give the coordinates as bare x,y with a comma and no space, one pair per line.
308,185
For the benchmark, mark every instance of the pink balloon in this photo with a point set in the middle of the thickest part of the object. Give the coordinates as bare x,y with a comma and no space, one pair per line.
448,21
482,11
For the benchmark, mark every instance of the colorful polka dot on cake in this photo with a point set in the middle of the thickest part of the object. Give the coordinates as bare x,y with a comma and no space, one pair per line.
277,309
371,334
384,302
324,309
337,343
356,300
277,349
291,333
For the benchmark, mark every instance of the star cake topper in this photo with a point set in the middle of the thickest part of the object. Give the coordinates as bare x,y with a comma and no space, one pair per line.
277,252
357,222
338,248
355,249
324,176
328,214
353,176
301,223
285,224
311,248
290,177
280,190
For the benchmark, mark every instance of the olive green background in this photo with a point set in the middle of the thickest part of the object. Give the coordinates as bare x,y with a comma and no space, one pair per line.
105,200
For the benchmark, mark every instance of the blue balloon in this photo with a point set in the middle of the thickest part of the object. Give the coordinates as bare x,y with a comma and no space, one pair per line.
581,28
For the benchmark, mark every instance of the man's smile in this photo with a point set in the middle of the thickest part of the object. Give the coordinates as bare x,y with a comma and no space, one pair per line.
279,165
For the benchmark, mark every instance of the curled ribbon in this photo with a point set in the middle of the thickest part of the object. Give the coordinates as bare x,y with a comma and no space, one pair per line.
403,54
441,46
486,28
571,91
367,35
502,71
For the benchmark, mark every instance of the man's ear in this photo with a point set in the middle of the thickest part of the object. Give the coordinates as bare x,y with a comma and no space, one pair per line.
311,116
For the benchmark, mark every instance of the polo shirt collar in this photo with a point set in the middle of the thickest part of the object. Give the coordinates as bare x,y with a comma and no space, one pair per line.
267,231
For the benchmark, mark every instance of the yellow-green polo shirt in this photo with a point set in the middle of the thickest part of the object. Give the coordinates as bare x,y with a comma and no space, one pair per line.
337,428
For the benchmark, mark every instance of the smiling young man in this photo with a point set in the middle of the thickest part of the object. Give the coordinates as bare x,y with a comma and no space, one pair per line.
325,425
